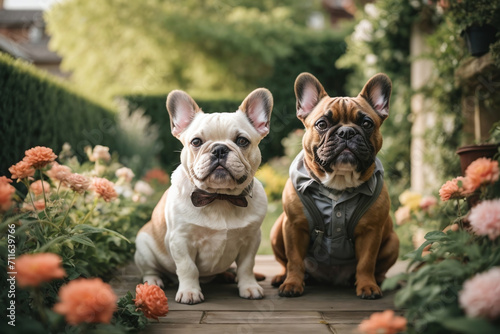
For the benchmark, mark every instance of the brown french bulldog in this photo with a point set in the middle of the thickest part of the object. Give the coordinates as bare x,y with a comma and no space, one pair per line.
336,224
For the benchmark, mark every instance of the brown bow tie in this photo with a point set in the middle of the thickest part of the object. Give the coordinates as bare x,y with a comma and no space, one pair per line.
201,198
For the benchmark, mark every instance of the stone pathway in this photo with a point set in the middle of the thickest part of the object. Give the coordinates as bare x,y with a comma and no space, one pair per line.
321,309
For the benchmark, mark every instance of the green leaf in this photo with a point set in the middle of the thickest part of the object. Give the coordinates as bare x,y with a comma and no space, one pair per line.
470,325
91,229
82,240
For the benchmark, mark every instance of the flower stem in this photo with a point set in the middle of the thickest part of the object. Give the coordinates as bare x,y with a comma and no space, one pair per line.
44,196
27,184
91,210
69,208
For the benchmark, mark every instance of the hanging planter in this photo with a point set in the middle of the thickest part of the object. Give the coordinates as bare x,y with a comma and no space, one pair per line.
479,38
478,20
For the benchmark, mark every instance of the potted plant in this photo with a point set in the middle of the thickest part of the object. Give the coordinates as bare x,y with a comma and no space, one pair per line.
489,149
477,20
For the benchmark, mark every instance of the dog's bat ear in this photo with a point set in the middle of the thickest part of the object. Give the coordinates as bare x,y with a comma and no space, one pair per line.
377,92
258,106
308,91
181,109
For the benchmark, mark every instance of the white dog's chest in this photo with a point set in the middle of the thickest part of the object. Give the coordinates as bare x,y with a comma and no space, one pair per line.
215,249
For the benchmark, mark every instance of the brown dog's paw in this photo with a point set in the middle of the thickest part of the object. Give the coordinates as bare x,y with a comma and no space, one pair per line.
278,280
369,291
259,277
291,289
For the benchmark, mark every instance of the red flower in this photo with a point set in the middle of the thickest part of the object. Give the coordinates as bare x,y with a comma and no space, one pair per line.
156,174
151,300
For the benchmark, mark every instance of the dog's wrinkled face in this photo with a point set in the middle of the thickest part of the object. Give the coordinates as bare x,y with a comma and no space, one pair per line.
221,152
342,133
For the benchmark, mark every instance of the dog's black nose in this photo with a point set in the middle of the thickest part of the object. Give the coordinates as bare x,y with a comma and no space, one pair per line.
346,132
220,151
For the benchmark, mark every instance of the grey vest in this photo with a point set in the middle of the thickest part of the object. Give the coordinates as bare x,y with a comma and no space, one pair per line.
332,215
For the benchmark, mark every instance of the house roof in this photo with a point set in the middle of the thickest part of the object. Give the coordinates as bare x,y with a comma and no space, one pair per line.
20,18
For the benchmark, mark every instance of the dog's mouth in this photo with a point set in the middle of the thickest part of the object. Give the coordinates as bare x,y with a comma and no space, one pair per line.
219,172
338,154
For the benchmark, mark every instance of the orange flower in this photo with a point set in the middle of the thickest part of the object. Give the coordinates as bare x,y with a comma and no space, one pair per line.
36,187
383,322
451,189
481,171
39,205
21,170
33,269
86,300
78,183
39,156
156,174
151,300
59,172
104,189
6,191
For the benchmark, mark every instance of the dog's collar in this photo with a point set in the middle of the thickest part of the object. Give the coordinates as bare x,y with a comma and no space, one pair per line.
201,198
302,179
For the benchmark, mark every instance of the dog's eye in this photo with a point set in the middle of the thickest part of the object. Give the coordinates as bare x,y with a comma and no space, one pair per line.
321,125
367,124
196,142
242,141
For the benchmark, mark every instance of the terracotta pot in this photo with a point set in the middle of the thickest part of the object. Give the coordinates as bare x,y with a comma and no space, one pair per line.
470,153
478,39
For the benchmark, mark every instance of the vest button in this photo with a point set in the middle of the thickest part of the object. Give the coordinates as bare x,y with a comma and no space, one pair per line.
338,214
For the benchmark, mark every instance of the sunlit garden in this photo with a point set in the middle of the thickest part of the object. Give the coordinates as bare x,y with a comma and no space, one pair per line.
87,155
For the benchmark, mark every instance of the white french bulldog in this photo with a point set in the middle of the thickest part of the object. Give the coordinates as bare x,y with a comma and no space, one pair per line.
212,213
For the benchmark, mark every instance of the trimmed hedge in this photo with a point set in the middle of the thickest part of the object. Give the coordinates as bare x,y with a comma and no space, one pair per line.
37,110
316,55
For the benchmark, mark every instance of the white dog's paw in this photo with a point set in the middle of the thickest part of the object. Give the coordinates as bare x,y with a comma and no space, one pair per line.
252,291
153,280
189,296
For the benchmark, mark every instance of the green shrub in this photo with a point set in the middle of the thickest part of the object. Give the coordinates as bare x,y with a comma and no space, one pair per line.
38,110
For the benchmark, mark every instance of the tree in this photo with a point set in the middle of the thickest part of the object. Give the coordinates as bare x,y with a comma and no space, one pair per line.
116,46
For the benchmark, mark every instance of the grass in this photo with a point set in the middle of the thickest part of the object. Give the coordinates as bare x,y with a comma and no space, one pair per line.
273,212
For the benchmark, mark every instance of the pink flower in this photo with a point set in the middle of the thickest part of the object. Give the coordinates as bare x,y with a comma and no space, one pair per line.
480,296
383,322
402,215
427,202
104,189
78,183
59,172
452,189
485,218
125,173
100,153
36,187
481,171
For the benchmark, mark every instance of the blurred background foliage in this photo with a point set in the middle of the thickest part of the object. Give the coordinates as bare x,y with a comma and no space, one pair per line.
128,55
159,45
